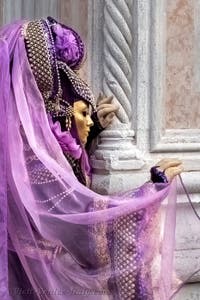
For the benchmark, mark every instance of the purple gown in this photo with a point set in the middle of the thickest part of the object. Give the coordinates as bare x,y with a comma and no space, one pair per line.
59,239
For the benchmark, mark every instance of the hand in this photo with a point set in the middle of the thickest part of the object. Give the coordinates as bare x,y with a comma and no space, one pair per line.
106,110
170,167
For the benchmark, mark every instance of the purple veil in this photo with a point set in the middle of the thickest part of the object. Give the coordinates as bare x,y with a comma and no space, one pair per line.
58,239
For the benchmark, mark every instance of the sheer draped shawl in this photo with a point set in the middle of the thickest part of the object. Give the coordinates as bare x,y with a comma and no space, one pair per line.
60,240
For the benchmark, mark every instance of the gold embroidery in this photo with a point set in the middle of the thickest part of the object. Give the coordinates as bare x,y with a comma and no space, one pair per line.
125,255
99,231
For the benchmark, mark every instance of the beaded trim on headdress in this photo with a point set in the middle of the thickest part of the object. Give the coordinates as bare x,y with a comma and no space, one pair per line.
42,57
45,66
80,87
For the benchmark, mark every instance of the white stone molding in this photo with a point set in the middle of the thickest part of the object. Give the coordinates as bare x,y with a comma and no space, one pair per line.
141,67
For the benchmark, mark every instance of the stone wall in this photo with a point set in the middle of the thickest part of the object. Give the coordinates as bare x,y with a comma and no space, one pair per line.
182,64
150,50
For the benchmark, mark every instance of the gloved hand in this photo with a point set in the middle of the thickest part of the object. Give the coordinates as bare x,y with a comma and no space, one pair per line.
106,109
166,169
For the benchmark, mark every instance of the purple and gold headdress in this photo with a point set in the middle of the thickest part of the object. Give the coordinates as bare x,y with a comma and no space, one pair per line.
52,47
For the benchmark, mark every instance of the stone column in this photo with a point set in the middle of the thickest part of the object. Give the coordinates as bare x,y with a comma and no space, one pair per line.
116,153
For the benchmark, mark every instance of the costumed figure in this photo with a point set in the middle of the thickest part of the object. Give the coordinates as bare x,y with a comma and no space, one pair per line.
59,239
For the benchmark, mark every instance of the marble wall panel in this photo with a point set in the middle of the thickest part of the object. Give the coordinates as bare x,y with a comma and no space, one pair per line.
183,64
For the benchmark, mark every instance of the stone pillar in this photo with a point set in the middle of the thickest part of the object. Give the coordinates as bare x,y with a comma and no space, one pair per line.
117,53
116,153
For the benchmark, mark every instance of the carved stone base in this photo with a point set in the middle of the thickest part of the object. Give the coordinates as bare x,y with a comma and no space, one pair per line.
115,160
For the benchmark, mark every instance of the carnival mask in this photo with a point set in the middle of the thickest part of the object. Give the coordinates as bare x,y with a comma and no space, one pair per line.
83,120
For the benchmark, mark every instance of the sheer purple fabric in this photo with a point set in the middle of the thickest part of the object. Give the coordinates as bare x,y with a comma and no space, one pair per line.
64,240
4,79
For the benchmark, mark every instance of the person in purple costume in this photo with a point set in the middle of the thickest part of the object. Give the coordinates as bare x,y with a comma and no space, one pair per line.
59,239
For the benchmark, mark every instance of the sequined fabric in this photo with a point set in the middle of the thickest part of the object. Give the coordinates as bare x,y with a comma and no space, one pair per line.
45,66
40,58
80,87
76,166
43,61
99,233
133,241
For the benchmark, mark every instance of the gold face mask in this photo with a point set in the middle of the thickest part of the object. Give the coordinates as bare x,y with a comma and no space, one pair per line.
82,119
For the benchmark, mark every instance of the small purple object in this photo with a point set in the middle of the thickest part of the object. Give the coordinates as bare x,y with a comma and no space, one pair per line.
158,176
68,44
